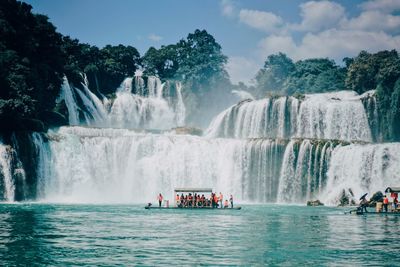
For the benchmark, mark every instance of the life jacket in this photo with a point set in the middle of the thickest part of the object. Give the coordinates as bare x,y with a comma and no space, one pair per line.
221,197
385,200
160,198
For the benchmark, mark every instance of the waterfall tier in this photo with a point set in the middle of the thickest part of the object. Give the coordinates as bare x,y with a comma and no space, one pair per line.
155,106
80,164
338,115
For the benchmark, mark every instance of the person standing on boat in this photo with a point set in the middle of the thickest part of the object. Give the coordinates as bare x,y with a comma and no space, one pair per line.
364,204
231,200
385,203
395,201
221,199
160,199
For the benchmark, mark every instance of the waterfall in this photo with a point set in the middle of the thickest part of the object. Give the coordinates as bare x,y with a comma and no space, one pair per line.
302,174
6,183
278,149
180,106
260,163
119,165
135,106
362,169
338,115
68,95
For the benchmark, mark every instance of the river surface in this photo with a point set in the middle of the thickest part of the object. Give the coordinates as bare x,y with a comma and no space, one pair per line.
34,234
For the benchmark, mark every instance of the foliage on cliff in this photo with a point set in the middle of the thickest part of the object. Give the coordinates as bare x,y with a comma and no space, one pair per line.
105,68
380,71
31,63
283,76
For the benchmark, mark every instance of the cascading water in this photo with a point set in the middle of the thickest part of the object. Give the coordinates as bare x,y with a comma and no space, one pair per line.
6,182
339,115
285,149
135,106
362,168
119,165
303,173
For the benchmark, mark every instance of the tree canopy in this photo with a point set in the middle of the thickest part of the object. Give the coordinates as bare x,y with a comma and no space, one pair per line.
31,62
282,76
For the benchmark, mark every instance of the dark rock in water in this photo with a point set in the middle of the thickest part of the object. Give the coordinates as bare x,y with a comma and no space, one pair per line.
188,130
53,118
314,203
378,197
346,199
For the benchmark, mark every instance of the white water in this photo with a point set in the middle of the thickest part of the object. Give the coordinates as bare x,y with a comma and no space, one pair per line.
69,97
135,106
243,95
363,169
113,163
338,115
124,166
6,172
120,165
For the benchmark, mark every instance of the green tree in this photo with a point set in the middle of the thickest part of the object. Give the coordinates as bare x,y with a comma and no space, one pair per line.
162,62
276,70
314,76
31,63
201,61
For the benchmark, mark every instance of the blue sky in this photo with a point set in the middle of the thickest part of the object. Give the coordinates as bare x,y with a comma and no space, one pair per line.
248,31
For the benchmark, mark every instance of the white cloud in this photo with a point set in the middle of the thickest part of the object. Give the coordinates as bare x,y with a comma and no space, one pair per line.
228,8
319,15
154,37
332,43
382,5
373,21
242,69
265,21
325,30
273,44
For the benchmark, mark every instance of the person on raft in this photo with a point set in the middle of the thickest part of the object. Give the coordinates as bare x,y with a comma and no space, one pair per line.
160,199
363,204
385,203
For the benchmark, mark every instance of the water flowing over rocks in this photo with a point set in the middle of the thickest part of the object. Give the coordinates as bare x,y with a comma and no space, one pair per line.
132,146
339,115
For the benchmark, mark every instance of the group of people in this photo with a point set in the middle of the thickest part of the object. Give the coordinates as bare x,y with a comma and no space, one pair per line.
200,201
381,206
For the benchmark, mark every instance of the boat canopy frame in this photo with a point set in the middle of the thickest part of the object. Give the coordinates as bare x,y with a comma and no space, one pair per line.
392,190
192,190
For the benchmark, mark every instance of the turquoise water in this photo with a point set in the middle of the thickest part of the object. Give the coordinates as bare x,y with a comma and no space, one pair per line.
45,234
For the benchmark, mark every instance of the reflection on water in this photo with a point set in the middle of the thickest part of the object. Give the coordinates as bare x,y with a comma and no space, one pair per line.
130,235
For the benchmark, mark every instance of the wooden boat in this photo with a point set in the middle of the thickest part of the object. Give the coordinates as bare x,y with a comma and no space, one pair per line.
355,212
191,191
189,208
394,191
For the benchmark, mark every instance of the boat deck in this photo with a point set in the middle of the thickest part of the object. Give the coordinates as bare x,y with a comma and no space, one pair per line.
372,213
190,208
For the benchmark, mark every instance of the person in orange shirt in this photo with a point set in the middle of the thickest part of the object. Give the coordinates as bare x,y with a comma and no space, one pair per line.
385,203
